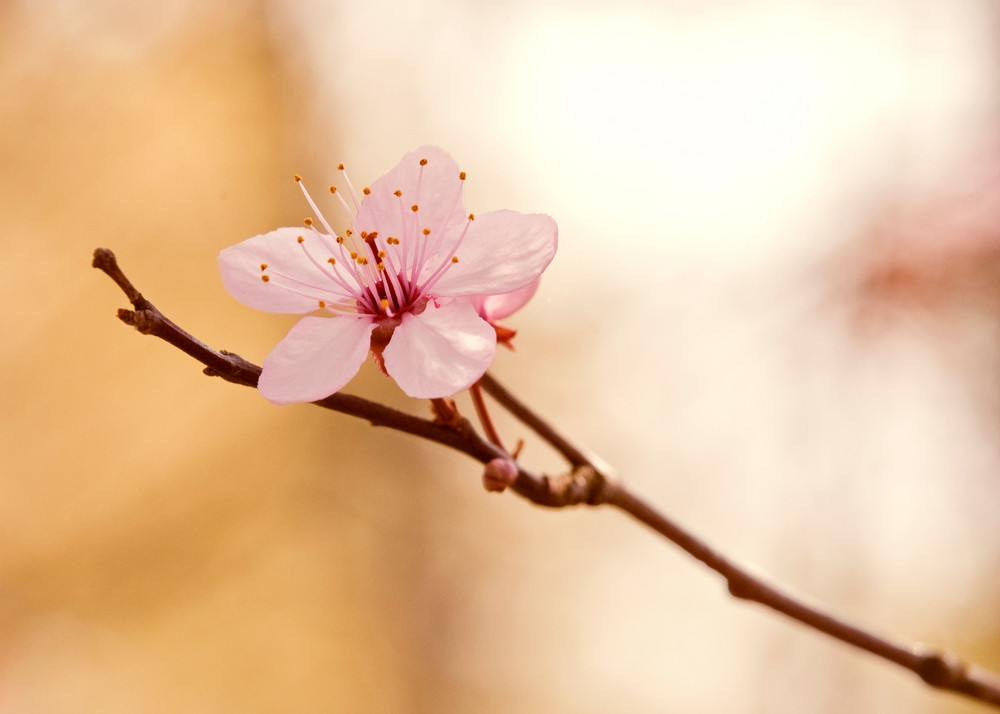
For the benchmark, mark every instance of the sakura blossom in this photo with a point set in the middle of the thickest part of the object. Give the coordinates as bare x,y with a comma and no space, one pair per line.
412,282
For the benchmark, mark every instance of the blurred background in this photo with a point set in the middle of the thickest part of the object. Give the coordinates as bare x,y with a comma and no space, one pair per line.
776,309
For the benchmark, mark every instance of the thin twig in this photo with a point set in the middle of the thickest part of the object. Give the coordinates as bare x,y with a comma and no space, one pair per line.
476,392
575,455
591,481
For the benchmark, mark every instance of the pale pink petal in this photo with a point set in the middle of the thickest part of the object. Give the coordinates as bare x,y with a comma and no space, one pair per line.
317,357
294,285
435,188
441,351
502,251
497,307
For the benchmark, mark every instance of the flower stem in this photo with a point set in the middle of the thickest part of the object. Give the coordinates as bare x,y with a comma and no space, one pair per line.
484,415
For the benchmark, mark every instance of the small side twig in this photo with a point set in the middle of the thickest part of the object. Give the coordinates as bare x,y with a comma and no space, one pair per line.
590,481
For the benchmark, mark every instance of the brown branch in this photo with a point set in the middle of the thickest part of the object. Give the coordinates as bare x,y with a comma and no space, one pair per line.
461,436
943,670
591,481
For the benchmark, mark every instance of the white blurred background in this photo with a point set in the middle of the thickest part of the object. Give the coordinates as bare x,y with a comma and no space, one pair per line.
775,308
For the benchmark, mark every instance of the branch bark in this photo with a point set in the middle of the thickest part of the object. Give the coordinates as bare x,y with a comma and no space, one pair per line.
590,481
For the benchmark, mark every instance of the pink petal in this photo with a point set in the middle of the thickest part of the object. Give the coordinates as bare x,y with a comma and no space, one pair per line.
317,357
497,307
436,188
441,351
280,251
502,251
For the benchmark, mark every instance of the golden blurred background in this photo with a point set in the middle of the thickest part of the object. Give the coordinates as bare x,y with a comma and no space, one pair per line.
775,309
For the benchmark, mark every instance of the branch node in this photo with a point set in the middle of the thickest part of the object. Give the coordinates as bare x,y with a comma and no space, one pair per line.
941,670
582,485
126,316
145,321
742,589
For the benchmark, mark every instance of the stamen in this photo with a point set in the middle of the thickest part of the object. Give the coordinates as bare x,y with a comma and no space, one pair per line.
366,191
447,262
414,208
319,213
346,303
308,221
343,202
263,266
350,187
350,290
265,278
397,193
461,175
423,162
427,231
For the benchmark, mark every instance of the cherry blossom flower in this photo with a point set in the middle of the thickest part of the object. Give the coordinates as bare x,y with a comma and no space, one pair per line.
406,282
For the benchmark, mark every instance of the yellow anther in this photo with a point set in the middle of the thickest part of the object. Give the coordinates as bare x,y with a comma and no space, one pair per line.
322,304
373,235
340,167
380,266
333,189
454,259
414,208
308,221
461,175
349,232
364,234
331,261
385,303
397,193
472,216
265,278
297,178
362,260
340,239
263,266
366,190
427,231
300,239
354,256
381,254
423,162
